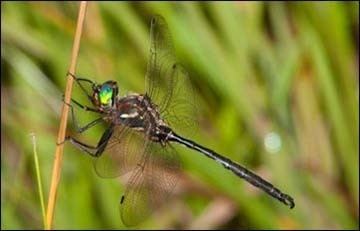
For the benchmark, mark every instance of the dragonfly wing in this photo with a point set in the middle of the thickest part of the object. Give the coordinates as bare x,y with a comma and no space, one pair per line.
150,184
167,82
158,82
122,153
181,110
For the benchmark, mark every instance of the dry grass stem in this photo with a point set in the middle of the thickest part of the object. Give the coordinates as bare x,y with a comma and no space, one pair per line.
63,122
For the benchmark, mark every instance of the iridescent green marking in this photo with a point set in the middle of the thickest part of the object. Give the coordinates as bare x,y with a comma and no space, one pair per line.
105,94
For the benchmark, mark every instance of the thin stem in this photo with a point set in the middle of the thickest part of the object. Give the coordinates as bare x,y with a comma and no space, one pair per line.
64,116
38,177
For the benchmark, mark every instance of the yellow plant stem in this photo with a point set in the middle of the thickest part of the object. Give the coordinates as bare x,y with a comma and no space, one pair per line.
56,173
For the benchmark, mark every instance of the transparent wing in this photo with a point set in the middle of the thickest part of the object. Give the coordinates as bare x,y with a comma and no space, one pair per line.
150,184
181,110
122,153
158,82
167,82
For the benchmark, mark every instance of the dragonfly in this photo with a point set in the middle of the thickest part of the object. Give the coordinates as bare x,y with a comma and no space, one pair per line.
143,128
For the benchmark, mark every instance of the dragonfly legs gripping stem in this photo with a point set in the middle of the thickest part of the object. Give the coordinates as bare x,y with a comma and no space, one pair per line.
89,149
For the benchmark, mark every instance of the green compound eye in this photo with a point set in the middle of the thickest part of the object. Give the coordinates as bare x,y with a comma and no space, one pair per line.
105,94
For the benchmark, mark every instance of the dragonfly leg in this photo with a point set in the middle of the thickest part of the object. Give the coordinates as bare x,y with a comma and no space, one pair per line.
79,80
85,108
87,126
78,128
92,150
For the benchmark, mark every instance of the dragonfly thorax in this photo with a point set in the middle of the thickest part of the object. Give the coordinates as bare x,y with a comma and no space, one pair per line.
139,113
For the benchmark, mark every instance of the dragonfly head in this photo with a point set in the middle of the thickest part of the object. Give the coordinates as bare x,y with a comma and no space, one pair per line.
105,94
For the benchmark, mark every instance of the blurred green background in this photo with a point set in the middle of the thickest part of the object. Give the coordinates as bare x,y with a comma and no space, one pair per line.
277,87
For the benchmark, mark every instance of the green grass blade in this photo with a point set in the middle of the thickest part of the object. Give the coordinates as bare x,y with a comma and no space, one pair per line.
38,177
